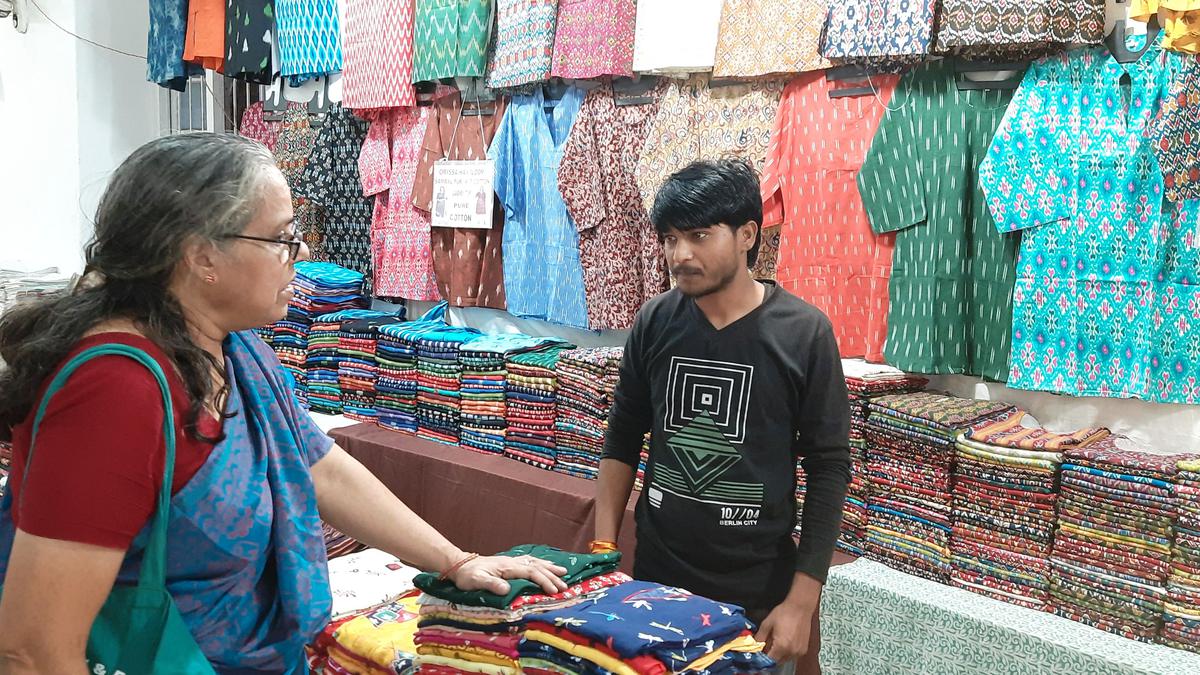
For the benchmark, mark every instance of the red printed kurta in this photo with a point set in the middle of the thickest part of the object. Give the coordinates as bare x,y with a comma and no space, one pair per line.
594,38
828,254
377,44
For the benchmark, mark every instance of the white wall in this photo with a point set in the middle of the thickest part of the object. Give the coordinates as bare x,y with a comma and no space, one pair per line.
69,113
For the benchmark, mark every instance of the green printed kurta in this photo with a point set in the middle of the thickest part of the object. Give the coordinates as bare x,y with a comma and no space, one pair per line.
450,38
952,272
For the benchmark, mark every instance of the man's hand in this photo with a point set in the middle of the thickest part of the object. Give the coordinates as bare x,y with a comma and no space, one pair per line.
786,630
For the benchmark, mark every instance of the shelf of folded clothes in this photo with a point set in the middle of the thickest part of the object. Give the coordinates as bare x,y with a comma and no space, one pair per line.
439,382
587,379
1181,617
910,459
1005,497
324,358
358,368
531,405
396,383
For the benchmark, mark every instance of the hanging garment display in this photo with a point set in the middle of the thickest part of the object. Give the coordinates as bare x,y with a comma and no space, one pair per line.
676,36
1175,134
697,122
249,34
761,37
292,151
254,126
378,43
1016,24
1106,285
622,258
332,180
400,254
1180,19
469,264
450,38
828,254
882,32
952,272
205,43
594,38
164,44
543,278
524,46
309,35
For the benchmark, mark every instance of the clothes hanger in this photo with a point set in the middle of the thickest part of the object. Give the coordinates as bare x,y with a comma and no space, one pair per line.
965,67
636,90
274,105
850,73
1115,40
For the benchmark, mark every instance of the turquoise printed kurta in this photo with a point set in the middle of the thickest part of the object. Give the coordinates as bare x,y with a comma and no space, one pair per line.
1106,300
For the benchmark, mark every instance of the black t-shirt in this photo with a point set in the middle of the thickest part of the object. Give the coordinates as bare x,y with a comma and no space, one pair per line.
730,412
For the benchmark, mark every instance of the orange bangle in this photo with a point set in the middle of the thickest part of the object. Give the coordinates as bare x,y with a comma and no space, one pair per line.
602,546
457,566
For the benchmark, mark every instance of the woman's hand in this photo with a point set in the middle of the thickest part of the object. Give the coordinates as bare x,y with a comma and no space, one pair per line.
491,574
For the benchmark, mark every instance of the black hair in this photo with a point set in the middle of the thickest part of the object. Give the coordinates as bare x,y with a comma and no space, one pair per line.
708,193
169,191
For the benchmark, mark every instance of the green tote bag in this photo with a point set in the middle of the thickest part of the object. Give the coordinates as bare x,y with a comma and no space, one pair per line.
139,631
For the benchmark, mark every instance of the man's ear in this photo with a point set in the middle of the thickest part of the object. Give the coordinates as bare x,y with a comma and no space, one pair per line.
747,234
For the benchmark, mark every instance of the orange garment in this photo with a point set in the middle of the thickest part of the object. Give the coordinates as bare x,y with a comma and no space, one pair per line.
205,43
828,254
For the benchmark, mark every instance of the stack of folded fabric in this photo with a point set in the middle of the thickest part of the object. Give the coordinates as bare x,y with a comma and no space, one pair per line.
338,544
1112,550
478,631
439,382
368,579
1005,493
484,387
640,478
865,381
358,368
319,289
396,382
1181,620
910,458
267,333
321,364
643,627
378,640
530,410
586,381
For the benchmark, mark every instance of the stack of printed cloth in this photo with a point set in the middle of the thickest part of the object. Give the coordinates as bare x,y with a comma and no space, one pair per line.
1112,550
484,387
910,460
1181,620
1005,492
586,381
374,616
639,628
319,289
358,368
396,381
338,544
439,382
481,632
864,381
530,406
325,357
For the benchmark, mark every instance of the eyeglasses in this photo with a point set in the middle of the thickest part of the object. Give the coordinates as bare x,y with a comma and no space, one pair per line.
293,244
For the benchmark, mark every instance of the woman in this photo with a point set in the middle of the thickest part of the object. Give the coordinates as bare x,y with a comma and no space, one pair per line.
194,245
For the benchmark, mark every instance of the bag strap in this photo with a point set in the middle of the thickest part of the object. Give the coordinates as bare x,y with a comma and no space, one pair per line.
154,559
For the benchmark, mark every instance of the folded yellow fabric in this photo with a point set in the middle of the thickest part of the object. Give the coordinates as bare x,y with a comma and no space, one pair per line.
586,653
745,643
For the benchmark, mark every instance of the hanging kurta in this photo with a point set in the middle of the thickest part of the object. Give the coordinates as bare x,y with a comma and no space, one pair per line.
543,278
696,122
1013,24
468,262
1180,22
292,151
676,36
205,43
828,254
255,126
524,45
1106,301
309,35
164,44
1175,135
387,164
594,38
450,38
760,37
378,42
249,33
623,264
952,272
332,180
879,31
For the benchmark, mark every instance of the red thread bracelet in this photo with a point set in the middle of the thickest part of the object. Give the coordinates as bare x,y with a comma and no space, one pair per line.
457,566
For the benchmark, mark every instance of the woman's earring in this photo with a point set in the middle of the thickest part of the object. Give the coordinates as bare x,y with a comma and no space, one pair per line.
210,279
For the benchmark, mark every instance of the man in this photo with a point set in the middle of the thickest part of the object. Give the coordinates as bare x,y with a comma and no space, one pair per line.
736,379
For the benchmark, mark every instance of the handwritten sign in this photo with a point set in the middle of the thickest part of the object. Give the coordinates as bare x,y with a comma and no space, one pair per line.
463,193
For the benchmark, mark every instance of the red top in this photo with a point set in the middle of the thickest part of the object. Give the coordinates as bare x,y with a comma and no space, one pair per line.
99,461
